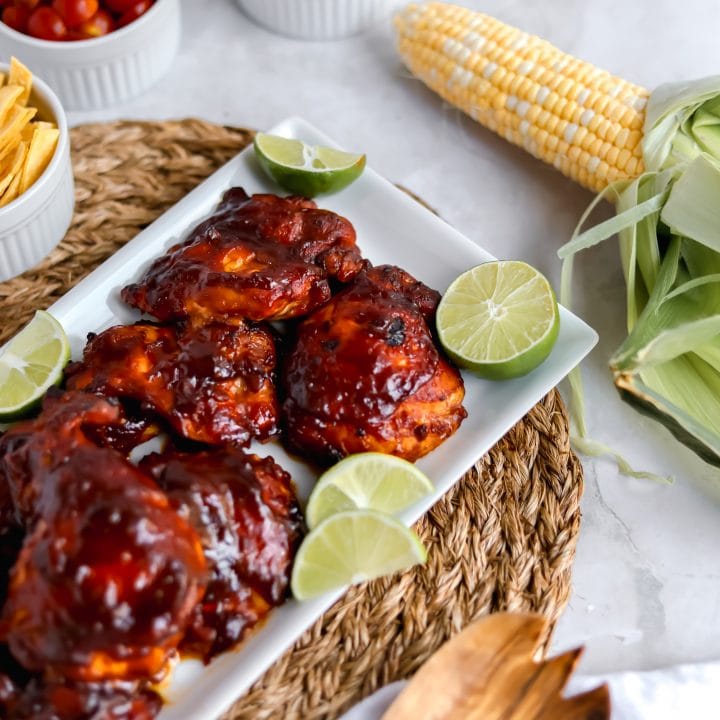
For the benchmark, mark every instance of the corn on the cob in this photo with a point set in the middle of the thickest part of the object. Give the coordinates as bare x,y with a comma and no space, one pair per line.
585,122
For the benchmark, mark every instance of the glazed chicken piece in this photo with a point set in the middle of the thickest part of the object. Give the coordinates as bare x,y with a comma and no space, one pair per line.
11,537
365,375
262,258
58,700
109,573
13,678
212,383
245,510
72,416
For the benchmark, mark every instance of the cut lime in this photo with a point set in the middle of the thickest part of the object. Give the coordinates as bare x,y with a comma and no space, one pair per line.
350,547
370,480
499,319
307,170
30,363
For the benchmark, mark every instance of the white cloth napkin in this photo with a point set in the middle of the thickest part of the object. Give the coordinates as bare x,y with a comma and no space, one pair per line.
684,691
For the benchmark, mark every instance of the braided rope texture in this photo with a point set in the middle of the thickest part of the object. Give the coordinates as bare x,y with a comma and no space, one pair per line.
502,539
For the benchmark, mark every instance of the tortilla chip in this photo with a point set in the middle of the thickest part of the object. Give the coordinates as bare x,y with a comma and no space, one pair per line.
12,192
9,95
12,166
3,78
9,149
11,130
20,75
42,147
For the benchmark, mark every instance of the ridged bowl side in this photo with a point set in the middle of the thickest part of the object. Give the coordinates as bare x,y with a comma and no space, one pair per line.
317,19
30,241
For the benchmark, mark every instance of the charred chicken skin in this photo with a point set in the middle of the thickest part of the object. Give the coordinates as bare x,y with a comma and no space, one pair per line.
109,573
63,700
211,383
246,513
259,257
365,375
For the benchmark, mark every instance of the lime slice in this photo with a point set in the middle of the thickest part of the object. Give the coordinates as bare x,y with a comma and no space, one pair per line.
351,547
370,480
30,363
499,319
307,170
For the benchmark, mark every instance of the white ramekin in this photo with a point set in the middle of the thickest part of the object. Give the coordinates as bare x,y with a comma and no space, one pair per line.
35,222
92,74
318,19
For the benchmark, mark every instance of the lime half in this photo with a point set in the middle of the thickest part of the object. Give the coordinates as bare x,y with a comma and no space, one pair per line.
499,319
307,170
351,547
373,481
30,363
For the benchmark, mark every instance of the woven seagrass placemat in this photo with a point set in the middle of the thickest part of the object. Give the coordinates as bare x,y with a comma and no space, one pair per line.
502,539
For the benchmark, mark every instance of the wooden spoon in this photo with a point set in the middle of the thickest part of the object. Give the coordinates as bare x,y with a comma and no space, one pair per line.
487,672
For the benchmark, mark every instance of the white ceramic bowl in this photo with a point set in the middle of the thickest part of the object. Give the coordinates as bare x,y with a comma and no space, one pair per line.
35,222
318,19
92,74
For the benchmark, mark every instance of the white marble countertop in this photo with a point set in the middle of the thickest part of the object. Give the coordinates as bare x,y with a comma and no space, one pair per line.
647,575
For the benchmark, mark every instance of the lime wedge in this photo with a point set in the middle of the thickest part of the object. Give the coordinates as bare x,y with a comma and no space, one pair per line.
351,547
30,363
373,481
499,319
307,170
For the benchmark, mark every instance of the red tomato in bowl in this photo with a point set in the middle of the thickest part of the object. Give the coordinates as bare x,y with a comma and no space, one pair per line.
16,17
101,23
138,8
46,24
119,6
71,19
75,12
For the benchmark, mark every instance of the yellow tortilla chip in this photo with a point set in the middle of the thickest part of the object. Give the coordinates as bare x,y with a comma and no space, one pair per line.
9,95
42,147
12,167
12,192
30,128
3,78
11,129
9,149
20,75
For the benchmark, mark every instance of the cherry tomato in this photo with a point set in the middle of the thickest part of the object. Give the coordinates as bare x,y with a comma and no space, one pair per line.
137,9
46,24
101,23
30,4
17,18
75,12
119,6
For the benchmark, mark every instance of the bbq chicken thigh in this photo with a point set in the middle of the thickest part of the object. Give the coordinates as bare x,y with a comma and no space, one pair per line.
211,383
365,375
246,513
63,700
259,257
109,573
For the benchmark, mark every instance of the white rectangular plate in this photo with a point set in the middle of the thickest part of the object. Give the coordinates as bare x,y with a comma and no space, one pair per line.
391,228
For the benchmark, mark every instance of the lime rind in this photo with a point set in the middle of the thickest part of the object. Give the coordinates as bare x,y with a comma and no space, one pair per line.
351,547
499,319
31,363
374,481
307,170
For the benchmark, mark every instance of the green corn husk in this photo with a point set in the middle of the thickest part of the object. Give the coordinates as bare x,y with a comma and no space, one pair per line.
668,223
